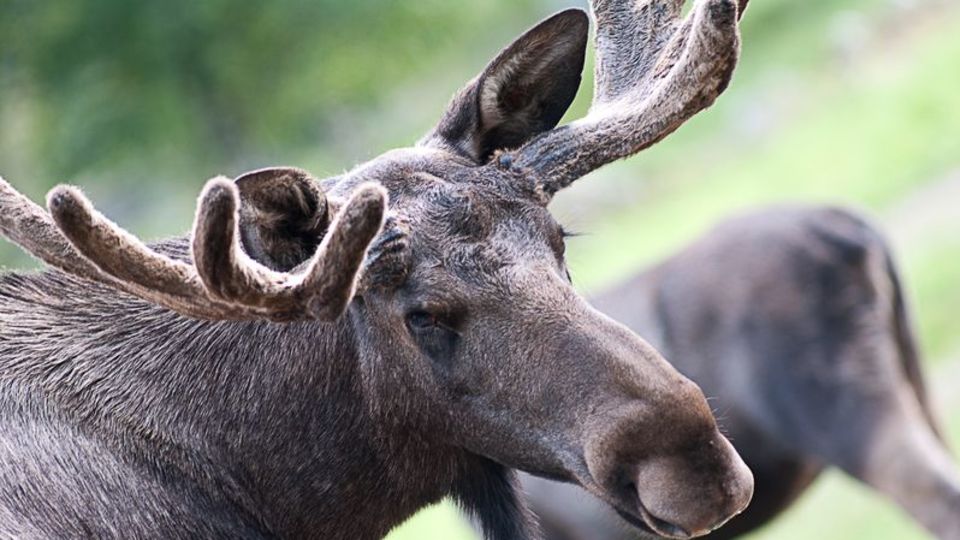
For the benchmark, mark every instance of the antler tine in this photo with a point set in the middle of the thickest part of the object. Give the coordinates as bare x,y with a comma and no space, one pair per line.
27,224
322,291
134,267
334,269
644,27
654,71
115,251
226,272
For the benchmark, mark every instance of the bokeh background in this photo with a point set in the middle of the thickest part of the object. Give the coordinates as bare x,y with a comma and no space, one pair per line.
849,101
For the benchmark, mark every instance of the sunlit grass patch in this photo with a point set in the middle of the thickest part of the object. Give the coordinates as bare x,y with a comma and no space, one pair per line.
934,280
439,522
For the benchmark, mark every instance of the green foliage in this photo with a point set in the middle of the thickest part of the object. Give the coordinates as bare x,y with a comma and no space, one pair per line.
935,274
189,85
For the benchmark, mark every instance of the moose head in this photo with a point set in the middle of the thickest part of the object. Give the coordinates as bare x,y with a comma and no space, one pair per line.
445,269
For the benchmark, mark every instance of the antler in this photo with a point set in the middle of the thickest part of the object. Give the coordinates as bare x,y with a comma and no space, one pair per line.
224,284
31,228
653,72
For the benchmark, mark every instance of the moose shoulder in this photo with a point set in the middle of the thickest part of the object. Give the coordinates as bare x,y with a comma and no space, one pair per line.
323,358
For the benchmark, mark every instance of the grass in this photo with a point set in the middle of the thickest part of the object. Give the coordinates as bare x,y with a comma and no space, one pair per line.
934,279
440,522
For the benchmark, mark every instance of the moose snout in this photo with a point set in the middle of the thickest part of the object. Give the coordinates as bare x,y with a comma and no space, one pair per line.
664,464
651,447
693,493
676,486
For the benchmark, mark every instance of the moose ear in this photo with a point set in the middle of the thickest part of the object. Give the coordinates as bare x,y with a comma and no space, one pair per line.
283,216
525,90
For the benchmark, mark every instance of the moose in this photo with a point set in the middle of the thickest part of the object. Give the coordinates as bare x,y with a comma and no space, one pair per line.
808,351
322,358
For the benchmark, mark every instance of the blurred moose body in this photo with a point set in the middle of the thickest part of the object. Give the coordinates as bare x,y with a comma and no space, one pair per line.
323,358
793,320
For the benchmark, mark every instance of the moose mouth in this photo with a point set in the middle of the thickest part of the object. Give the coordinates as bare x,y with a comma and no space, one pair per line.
643,519
650,524
623,498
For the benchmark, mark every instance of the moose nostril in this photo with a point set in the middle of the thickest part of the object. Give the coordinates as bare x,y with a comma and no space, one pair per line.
659,526
662,527
665,528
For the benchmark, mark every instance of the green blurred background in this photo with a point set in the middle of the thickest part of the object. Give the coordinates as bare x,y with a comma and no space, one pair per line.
849,101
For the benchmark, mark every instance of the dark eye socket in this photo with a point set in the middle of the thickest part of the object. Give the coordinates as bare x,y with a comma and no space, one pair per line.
423,320
435,337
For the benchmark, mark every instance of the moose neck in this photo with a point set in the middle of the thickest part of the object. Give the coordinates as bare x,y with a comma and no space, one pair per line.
271,417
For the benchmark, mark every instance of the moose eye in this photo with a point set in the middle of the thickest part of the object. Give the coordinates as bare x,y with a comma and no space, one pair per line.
434,337
421,320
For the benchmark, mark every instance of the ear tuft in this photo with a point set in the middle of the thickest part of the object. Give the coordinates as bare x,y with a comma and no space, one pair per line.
524,91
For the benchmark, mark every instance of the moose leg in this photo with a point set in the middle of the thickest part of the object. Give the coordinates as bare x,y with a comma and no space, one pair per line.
866,419
904,459
853,395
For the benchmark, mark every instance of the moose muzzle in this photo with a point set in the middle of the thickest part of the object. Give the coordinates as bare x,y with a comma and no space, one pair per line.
654,451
